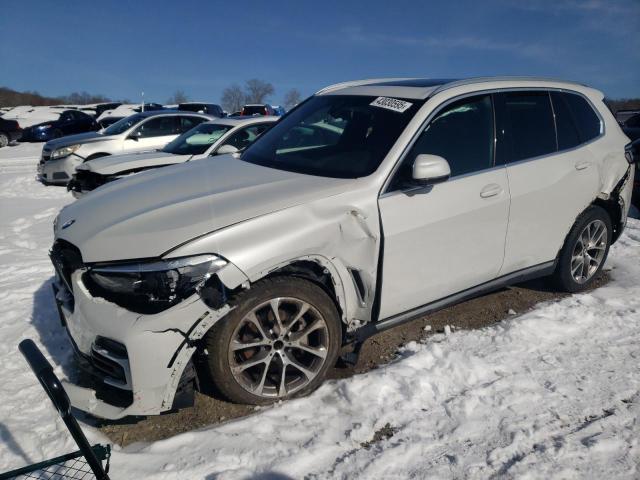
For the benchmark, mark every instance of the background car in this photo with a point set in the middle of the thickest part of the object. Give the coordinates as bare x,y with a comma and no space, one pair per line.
9,131
225,135
631,126
141,132
209,108
126,110
69,122
102,107
257,109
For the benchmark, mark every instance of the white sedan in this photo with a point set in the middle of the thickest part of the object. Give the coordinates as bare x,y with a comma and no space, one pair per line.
225,135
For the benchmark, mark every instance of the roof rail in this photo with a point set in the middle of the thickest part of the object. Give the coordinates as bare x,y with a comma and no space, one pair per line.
357,83
473,80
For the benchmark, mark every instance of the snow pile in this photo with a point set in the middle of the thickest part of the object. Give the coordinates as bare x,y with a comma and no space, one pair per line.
554,393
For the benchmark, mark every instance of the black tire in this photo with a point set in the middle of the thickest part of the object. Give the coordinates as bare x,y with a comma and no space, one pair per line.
4,139
563,276
218,340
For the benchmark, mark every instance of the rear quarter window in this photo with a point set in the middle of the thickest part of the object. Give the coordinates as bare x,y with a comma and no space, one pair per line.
568,136
587,121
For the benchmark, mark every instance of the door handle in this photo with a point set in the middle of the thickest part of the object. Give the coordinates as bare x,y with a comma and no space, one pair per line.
582,165
491,190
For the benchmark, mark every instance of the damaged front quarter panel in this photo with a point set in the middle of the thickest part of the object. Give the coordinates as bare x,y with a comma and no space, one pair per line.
341,234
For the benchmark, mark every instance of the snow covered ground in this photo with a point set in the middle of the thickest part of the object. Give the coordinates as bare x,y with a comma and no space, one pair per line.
554,393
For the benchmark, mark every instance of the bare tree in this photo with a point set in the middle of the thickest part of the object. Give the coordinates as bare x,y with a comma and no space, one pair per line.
178,97
233,98
292,98
257,90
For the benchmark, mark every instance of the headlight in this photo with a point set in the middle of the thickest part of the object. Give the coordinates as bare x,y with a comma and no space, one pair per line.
151,287
64,151
44,127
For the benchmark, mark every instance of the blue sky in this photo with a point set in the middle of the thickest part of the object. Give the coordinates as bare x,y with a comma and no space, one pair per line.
121,48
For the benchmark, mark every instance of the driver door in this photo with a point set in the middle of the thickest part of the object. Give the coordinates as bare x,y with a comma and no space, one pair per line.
445,238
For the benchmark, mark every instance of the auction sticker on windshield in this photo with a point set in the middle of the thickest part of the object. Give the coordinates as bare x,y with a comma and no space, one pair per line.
391,104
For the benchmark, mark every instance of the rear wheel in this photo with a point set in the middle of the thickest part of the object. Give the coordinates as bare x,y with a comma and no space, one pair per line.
585,250
279,342
4,140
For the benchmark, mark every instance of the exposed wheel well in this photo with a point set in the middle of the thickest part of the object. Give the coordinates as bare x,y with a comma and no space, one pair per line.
312,271
614,209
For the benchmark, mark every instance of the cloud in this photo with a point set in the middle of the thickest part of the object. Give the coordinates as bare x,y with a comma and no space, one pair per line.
356,35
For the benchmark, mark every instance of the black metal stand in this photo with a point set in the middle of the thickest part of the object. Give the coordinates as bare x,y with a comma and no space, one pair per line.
93,455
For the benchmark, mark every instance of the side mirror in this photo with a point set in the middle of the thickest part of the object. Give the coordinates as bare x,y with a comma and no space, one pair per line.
430,169
135,135
226,148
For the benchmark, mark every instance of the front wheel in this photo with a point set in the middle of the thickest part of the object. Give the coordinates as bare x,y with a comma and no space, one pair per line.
4,140
585,250
279,342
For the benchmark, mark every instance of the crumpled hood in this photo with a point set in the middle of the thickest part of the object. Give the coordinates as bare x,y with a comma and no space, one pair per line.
89,137
114,164
149,213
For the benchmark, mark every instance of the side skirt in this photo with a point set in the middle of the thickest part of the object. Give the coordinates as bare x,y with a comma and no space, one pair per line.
519,276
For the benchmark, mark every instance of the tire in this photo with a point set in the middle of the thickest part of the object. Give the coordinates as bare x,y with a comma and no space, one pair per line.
576,271
253,375
4,139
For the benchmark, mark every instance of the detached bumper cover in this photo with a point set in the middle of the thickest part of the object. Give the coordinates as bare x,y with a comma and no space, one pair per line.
158,347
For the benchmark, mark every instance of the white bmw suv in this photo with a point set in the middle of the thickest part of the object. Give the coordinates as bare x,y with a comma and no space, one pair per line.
141,132
368,205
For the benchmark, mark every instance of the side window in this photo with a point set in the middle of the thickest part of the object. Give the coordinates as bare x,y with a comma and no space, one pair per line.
529,124
588,123
66,117
158,127
568,136
187,123
461,133
246,136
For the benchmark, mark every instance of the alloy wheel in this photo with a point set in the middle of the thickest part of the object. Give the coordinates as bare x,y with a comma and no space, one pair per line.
589,251
279,347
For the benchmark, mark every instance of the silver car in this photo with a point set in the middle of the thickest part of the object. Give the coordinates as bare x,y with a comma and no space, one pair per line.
224,135
141,132
368,205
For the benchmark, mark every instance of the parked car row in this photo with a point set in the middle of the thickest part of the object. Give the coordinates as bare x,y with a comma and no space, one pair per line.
40,124
140,132
222,136
370,204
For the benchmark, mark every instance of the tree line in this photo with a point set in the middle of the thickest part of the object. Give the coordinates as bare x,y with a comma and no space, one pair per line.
234,97
13,98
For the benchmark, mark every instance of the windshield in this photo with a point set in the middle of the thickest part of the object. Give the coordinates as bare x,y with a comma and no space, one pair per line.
197,140
334,136
123,125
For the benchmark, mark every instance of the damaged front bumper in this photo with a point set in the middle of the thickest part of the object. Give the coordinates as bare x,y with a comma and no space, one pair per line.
141,356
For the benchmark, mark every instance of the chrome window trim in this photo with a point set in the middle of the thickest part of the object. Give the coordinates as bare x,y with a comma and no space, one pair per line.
384,192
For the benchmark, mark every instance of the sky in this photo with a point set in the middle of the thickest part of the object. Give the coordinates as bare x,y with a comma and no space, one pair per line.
120,49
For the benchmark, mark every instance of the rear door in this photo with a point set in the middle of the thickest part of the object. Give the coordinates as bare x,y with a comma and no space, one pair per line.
154,133
445,238
552,175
